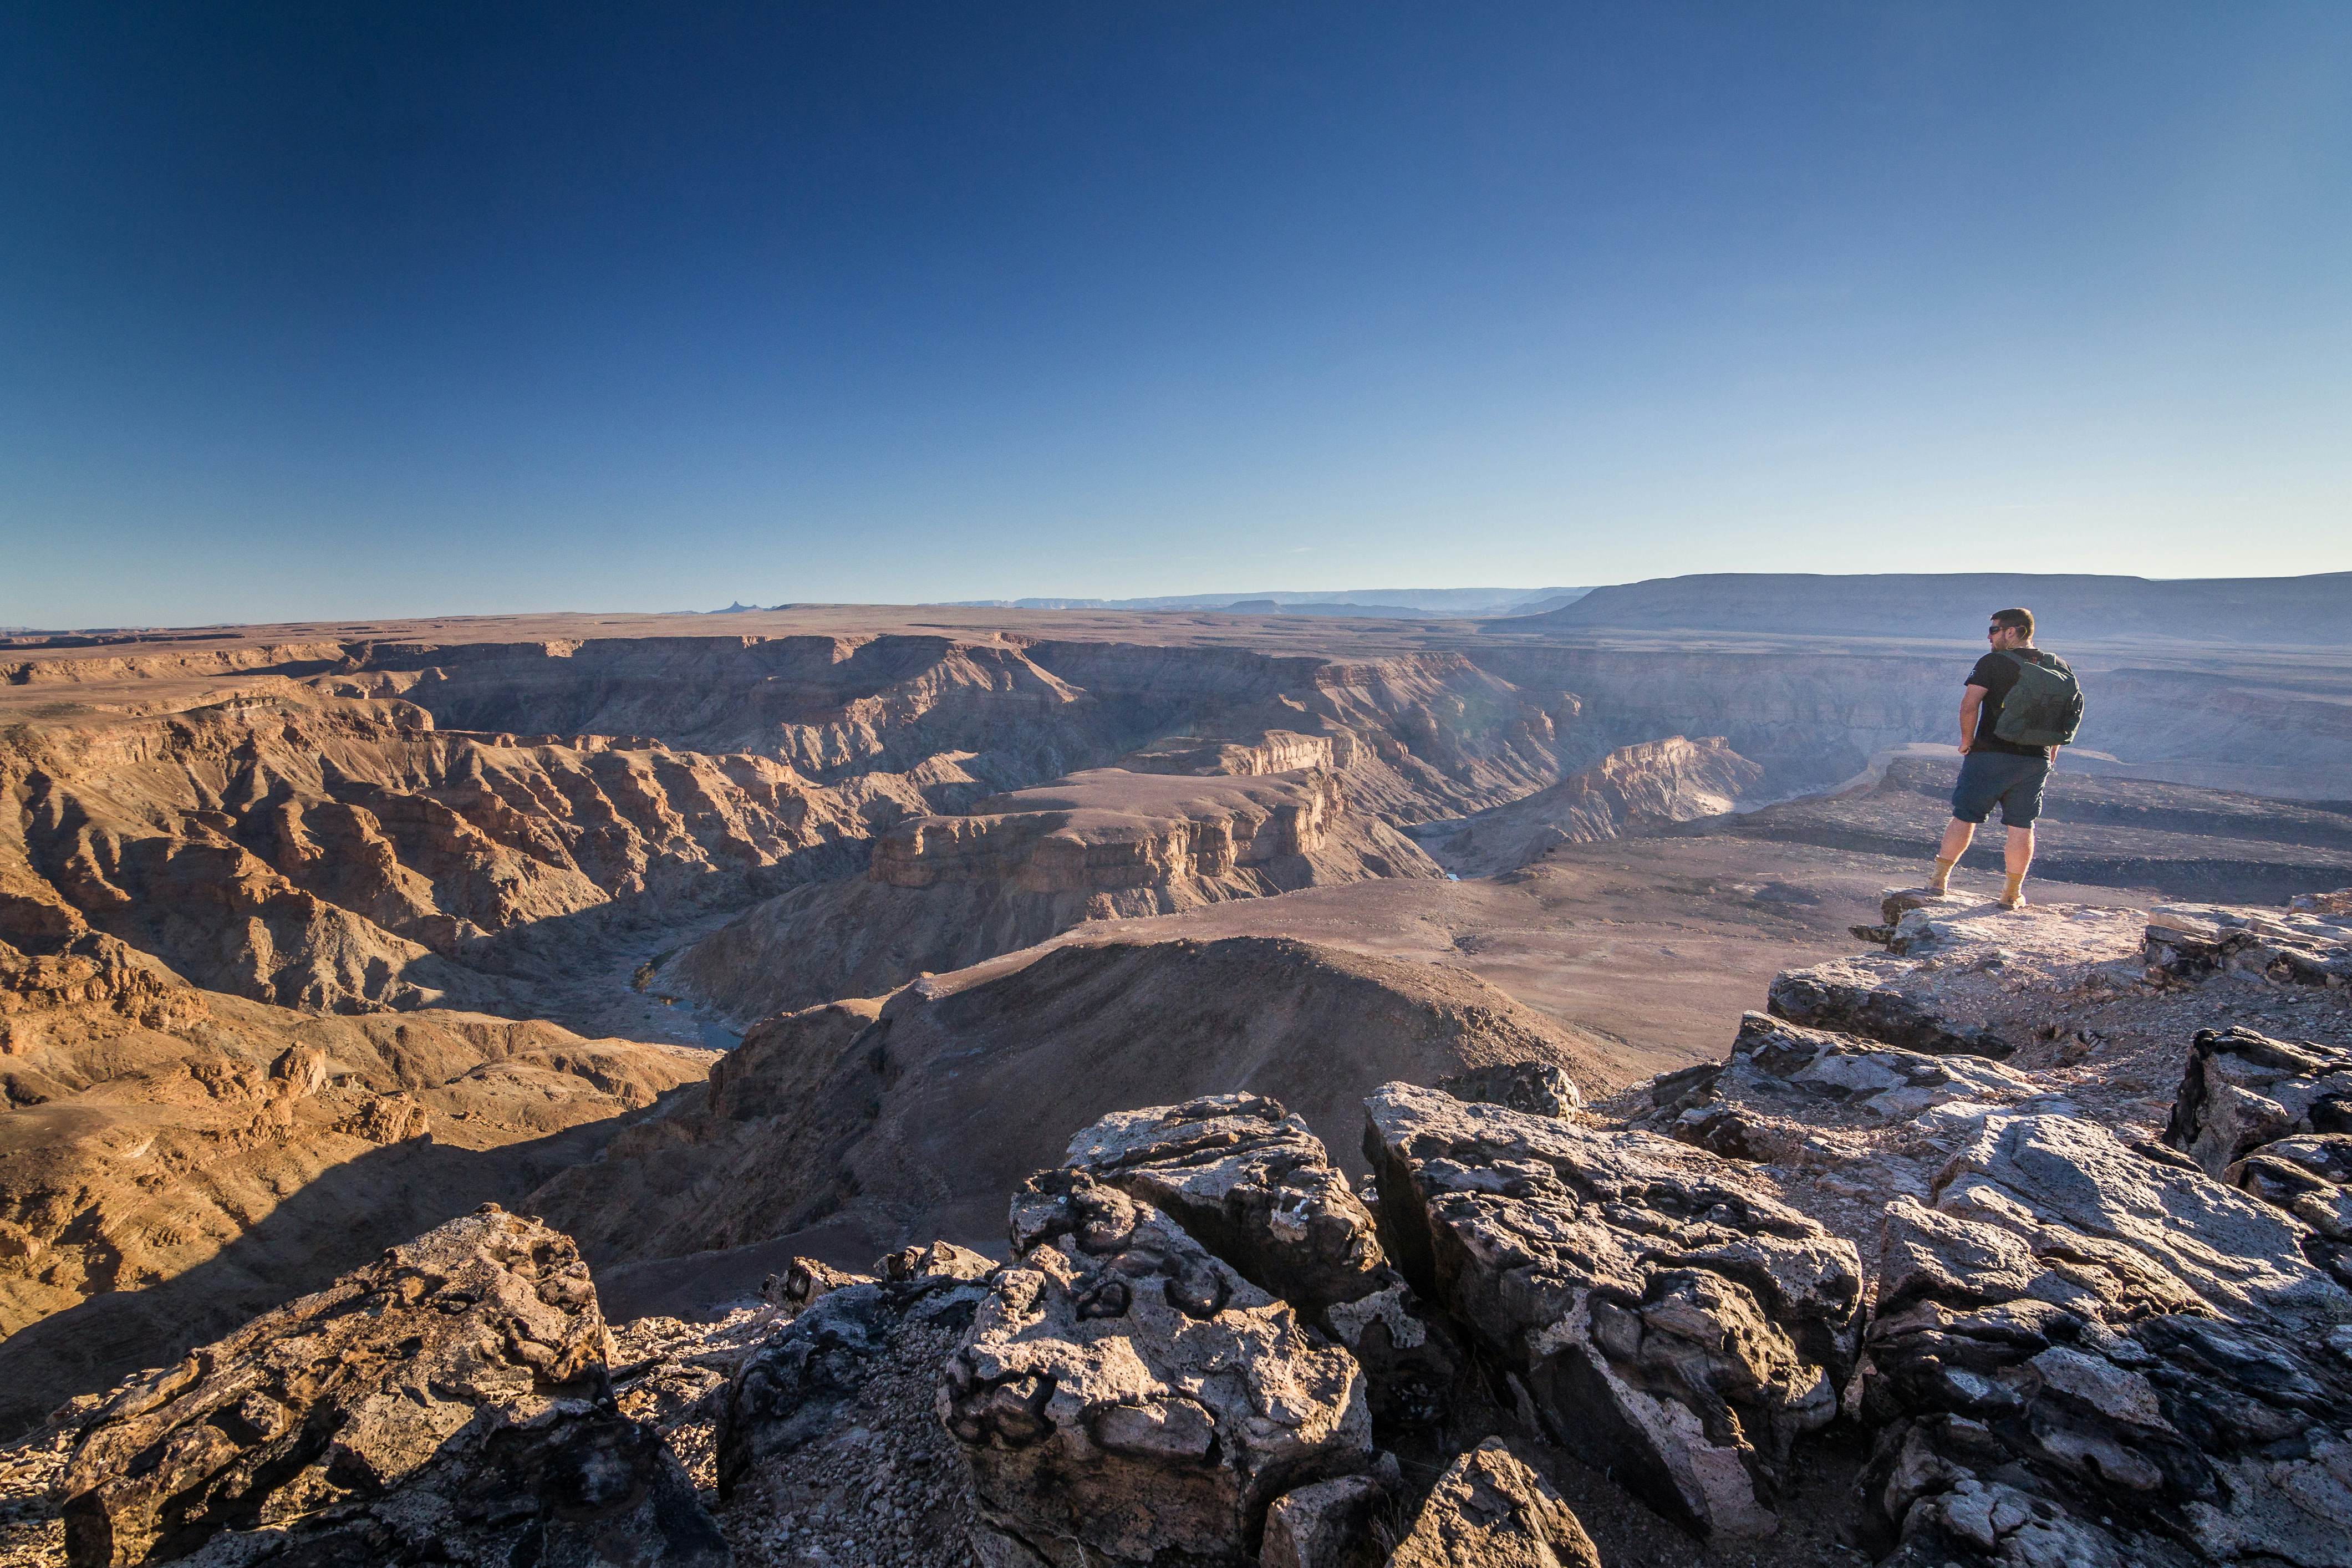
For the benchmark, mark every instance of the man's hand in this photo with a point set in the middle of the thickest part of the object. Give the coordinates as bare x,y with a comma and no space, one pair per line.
1971,702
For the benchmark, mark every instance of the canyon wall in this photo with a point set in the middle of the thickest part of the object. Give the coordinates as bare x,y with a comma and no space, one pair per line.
945,892
1633,789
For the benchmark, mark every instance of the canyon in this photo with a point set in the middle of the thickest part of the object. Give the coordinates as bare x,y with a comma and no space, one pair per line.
313,938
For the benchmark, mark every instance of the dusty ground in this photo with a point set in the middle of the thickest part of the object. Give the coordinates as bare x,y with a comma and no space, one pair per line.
1654,944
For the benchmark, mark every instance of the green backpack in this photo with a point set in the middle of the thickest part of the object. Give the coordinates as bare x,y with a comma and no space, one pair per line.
2045,706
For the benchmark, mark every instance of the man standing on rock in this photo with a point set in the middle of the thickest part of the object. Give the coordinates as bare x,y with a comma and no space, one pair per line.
2021,704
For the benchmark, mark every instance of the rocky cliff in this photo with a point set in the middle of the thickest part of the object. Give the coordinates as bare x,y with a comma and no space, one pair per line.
1632,790
946,892
173,1160
369,824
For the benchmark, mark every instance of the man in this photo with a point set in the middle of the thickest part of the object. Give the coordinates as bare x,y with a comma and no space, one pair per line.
1993,769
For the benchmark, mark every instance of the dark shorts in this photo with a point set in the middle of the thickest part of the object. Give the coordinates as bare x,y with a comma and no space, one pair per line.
1988,776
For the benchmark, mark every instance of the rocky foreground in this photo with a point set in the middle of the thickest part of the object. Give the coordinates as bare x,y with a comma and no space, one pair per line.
2025,1239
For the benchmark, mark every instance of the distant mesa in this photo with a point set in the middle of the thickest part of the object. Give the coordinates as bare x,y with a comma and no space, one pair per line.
1371,603
2240,610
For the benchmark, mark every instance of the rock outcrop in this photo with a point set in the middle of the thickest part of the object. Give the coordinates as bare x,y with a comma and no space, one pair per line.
448,1404
1329,1524
1658,1313
796,1439
1539,1089
1961,976
1127,1397
2081,1354
2275,1119
2290,947
1250,1183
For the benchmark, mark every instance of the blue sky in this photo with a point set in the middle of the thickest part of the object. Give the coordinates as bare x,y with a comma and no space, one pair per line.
374,309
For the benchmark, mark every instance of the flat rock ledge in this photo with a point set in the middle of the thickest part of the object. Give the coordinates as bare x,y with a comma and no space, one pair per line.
1653,1311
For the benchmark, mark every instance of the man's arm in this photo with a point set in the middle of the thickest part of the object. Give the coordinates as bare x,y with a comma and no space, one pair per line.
1971,701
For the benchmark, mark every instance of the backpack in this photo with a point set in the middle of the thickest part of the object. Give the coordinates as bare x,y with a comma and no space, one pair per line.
2045,706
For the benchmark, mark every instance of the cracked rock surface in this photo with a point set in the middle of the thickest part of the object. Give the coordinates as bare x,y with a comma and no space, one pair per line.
1127,1397
1258,1189
2085,1355
1661,1316
449,1403
1782,1083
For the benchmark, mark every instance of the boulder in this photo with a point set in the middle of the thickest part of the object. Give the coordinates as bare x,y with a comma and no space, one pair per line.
1654,1311
1782,1081
1125,1396
2082,1355
1491,1511
1249,1183
447,1403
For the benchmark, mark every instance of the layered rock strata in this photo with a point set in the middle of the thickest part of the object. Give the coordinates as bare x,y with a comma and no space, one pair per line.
947,892
1633,789
173,1160
2275,1119
1659,1313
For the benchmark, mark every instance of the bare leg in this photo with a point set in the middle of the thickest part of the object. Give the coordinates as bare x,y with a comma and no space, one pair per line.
2018,859
1957,837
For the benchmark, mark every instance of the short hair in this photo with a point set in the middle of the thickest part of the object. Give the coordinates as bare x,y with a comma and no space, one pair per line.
2020,620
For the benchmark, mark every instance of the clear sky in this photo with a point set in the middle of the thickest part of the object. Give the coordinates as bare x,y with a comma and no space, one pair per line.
353,308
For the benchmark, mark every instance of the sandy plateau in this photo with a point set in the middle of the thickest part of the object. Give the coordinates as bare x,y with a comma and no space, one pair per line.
1450,1080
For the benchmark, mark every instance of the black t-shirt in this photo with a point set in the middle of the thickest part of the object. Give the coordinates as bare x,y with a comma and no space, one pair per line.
1997,673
